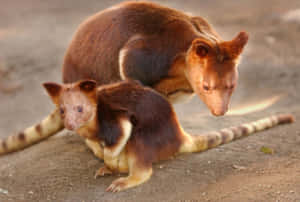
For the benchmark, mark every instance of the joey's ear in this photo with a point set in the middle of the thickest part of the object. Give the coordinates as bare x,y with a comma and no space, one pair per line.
239,42
88,86
54,90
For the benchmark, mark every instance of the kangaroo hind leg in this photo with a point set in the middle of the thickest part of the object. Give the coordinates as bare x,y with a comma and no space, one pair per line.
138,174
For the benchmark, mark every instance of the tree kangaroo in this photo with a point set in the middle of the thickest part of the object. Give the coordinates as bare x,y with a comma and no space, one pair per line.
131,127
163,48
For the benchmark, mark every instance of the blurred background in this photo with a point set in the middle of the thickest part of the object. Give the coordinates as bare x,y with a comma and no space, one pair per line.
34,35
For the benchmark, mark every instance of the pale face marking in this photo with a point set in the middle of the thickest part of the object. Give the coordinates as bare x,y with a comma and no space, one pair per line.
76,109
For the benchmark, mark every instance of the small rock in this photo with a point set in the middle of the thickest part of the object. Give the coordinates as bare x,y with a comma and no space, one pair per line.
238,167
209,162
292,191
270,40
3,191
161,166
30,192
292,16
204,193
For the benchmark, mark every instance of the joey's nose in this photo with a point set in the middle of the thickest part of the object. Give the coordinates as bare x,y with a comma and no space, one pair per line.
69,126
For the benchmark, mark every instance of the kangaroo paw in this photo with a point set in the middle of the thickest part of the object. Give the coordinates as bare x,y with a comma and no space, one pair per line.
102,171
119,184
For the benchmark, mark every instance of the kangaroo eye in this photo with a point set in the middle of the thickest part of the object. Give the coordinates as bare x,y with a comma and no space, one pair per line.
79,109
201,51
231,87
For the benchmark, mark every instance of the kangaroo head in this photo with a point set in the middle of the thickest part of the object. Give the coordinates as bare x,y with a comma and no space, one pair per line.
211,69
76,102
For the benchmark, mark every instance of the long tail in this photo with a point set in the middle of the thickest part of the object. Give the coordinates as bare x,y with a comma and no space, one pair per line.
48,127
197,143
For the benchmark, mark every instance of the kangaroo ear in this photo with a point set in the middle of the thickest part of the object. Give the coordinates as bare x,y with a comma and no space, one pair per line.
88,86
239,42
53,89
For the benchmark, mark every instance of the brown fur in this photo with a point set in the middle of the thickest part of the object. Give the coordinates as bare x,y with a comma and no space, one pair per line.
133,101
38,128
155,133
157,46
162,48
4,145
21,136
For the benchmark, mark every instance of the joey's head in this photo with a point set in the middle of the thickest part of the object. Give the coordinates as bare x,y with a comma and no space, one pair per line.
76,102
211,69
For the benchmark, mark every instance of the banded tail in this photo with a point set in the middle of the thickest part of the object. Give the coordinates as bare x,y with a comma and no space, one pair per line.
48,127
210,140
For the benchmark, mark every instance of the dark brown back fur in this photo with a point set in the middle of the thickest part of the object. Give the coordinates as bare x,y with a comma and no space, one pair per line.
155,133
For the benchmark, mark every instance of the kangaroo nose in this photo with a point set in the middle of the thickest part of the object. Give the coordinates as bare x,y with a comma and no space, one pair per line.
218,112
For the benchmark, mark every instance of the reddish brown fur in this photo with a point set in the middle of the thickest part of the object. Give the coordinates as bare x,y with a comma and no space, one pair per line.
130,100
154,133
54,90
286,118
159,46
38,128
94,50
216,78
148,109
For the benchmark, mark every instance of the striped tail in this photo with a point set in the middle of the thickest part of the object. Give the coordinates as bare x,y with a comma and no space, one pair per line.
48,127
210,140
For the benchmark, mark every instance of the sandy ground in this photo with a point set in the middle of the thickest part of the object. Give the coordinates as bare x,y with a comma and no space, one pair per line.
33,38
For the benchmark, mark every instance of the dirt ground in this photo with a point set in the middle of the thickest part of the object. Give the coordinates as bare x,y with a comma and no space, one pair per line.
34,35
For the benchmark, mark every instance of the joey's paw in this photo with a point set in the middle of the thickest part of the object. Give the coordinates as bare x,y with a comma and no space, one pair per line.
118,185
102,171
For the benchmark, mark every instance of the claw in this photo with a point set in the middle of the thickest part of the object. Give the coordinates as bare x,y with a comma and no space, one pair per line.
102,171
117,185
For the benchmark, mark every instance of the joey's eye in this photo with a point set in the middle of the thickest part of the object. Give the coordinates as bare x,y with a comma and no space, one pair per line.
61,110
79,109
231,87
206,87
201,50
